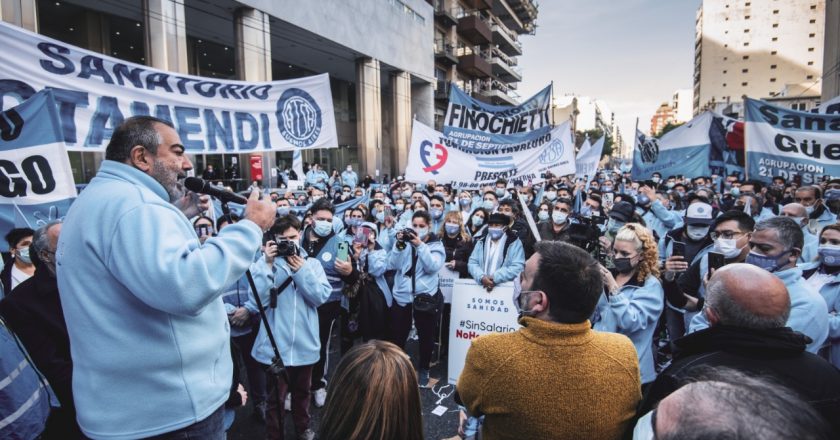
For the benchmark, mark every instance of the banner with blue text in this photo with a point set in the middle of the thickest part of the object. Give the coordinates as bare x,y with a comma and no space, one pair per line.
36,182
435,156
477,126
791,144
95,93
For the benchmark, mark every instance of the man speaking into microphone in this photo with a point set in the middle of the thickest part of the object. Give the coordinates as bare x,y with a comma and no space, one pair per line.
148,331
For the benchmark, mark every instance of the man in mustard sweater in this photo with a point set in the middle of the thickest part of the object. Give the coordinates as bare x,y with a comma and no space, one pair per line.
555,378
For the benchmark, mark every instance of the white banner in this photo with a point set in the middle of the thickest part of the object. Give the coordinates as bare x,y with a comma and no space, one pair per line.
94,93
447,280
588,158
434,156
476,312
832,106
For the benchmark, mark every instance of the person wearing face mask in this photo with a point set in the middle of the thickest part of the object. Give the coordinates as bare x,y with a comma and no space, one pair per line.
437,207
477,222
498,256
490,202
457,243
683,281
832,200
657,218
620,214
501,189
21,267
507,375
823,275
633,299
316,178
798,213
557,227
349,177
320,241
518,225
543,214
465,205
417,265
775,246
811,198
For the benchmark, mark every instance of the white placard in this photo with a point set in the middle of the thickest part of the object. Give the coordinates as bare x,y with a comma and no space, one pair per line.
447,279
476,312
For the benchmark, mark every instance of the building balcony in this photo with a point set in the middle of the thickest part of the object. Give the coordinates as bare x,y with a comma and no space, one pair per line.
474,29
475,65
504,71
445,16
506,40
445,54
495,97
479,4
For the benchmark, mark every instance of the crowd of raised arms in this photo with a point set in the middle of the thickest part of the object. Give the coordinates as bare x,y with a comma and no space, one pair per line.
674,307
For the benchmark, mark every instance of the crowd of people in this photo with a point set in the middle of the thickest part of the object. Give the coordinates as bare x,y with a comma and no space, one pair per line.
676,307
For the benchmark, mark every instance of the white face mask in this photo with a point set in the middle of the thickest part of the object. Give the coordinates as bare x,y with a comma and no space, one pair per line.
810,209
728,248
696,233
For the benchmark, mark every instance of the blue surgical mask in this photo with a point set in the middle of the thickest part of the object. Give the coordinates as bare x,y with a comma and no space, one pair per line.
543,215
406,194
399,207
607,189
614,225
353,222
440,194
769,263
551,195
477,221
452,228
496,233
586,211
735,191
488,204
23,254
559,217
421,232
465,202
500,192
380,216
829,254
323,228
283,211
436,213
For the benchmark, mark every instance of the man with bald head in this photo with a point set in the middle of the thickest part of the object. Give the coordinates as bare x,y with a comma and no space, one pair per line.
747,308
799,214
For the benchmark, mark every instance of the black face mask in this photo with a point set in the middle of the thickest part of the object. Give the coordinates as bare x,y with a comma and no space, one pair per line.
623,265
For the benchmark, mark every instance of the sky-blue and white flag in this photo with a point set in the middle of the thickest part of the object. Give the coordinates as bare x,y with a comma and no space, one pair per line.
682,151
791,144
831,106
36,181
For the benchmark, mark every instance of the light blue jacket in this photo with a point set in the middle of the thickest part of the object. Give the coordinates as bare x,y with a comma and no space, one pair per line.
634,312
148,331
825,219
430,259
831,294
24,398
377,262
318,179
350,178
294,322
808,311
809,249
661,219
512,265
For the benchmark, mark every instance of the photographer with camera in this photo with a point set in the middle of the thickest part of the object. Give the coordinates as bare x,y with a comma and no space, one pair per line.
498,256
300,286
417,258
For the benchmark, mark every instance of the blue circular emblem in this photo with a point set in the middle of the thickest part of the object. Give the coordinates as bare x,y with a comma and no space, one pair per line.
298,118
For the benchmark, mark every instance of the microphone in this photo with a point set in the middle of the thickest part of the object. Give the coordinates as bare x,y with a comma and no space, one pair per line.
198,185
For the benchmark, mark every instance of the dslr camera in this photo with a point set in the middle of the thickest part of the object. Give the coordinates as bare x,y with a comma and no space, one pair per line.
405,236
286,248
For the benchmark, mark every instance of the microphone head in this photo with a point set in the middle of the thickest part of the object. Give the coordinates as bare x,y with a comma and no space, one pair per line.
194,184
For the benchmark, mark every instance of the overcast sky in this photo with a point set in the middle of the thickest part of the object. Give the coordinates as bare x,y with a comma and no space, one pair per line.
632,54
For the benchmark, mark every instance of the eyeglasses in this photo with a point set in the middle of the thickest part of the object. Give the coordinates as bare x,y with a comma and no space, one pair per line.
726,235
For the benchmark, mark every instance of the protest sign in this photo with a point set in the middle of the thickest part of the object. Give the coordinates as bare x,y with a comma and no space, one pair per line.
588,157
682,151
95,93
434,156
36,182
447,281
476,312
791,144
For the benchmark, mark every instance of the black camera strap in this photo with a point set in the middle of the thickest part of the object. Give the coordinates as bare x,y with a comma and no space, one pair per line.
278,361
413,271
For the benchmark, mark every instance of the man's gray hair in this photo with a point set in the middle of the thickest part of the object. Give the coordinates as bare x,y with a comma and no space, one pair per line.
724,403
730,312
41,239
790,233
137,130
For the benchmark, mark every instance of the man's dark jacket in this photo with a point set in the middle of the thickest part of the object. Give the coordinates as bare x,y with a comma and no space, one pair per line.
776,353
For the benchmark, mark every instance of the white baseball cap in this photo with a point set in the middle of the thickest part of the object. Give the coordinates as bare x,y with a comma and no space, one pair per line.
698,214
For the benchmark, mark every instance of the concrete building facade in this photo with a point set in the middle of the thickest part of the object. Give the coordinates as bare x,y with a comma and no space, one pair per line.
757,48
378,54
831,51
476,45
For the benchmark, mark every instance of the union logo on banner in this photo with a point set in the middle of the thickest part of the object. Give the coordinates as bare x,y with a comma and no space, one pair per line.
433,156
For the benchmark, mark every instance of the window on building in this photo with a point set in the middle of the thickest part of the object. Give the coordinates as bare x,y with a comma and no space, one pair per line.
724,72
809,77
744,83
745,57
812,21
211,59
810,63
813,6
745,70
774,39
810,49
746,31
772,80
775,11
746,17
724,84
725,58
773,52
746,43
812,35
775,25
772,66
747,4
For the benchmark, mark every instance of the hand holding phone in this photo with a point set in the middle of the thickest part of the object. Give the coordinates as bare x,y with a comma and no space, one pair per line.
343,253
716,260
